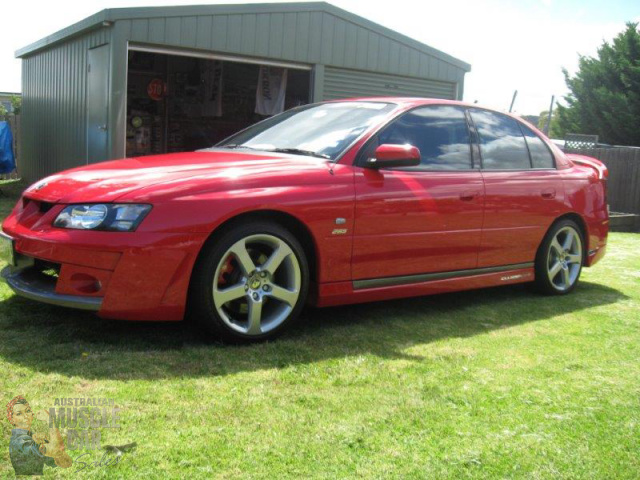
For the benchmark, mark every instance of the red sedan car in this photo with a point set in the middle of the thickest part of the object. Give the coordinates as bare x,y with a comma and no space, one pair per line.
327,204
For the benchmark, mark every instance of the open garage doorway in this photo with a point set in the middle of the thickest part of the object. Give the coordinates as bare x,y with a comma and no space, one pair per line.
178,103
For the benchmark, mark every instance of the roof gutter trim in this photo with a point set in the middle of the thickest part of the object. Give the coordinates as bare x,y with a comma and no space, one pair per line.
89,23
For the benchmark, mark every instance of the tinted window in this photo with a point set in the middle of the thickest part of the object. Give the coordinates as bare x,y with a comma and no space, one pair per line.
501,142
440,133
540,155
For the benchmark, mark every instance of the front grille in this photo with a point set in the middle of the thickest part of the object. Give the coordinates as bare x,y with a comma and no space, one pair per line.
48,269
32,211
38,274
44,207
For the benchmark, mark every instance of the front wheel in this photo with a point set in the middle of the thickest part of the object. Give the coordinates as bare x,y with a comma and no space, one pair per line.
559,259
250,283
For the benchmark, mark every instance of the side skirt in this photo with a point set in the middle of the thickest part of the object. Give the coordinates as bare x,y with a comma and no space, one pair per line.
428,277
359,291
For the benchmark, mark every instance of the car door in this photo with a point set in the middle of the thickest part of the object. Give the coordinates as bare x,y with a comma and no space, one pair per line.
524,192
424,219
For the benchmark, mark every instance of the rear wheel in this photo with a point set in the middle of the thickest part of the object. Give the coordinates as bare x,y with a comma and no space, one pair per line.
250,283
559,259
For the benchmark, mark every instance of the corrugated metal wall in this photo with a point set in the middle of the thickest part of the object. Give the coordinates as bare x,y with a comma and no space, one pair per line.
307,37
343,83
350,56
54,106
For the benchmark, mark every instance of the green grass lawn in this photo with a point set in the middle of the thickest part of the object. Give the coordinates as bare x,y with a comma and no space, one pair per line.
495,383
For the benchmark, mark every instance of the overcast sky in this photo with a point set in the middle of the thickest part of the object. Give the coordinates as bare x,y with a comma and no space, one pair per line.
510,45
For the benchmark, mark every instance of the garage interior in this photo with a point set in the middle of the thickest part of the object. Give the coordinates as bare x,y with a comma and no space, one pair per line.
173,104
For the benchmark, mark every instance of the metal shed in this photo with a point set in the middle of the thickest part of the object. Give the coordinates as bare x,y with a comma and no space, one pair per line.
86,87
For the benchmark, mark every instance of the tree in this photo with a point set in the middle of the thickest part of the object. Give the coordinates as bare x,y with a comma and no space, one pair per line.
555,129
532,119
16,104
604,96
16,107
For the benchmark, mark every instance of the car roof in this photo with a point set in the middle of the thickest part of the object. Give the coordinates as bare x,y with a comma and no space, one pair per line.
410,102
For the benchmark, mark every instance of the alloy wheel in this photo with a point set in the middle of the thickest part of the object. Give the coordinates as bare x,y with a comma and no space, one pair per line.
257,284
564,258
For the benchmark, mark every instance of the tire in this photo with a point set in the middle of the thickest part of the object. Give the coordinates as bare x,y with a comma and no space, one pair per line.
559,259
261,283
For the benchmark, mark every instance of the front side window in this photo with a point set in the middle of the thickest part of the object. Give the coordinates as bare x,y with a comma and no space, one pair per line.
325,130
440,132
540,155
501,142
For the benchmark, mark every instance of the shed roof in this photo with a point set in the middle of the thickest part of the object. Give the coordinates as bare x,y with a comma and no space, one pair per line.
106,16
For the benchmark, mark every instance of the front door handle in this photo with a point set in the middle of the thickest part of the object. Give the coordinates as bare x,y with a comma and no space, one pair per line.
549,193
469,195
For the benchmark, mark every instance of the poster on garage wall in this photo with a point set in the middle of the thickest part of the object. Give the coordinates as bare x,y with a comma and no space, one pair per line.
212,105
272,88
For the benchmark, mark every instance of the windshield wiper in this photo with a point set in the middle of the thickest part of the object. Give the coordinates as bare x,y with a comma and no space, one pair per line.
294,151
237,145
299,151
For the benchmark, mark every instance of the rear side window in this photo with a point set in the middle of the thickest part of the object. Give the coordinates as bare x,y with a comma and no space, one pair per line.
540,155
441,134
501,142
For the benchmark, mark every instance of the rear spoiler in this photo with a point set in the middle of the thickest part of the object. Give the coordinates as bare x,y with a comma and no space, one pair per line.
597,165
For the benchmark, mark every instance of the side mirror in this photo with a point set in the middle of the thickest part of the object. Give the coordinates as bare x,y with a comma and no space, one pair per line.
390,155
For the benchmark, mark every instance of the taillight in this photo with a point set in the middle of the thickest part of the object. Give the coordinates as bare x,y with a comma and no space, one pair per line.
594,163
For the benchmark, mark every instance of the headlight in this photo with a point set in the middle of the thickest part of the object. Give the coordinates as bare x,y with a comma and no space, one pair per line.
116,217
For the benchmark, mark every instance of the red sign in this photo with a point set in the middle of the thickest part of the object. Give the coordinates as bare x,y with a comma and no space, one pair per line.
156,89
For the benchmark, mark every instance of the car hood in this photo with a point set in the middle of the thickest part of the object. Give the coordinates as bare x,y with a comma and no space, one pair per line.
108,181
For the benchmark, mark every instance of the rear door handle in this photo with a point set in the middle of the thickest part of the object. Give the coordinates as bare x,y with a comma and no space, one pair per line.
548,193
469,195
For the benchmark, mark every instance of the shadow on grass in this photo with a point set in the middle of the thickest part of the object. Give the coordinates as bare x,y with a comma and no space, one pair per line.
51,339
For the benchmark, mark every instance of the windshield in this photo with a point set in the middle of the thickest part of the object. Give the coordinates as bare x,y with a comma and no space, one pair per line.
323,130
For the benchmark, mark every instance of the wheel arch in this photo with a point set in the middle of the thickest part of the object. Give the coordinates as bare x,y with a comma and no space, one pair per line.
581,223
284,219
583,230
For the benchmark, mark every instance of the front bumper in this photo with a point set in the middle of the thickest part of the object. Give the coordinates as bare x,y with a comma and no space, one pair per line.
128,276
31,284
595,255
